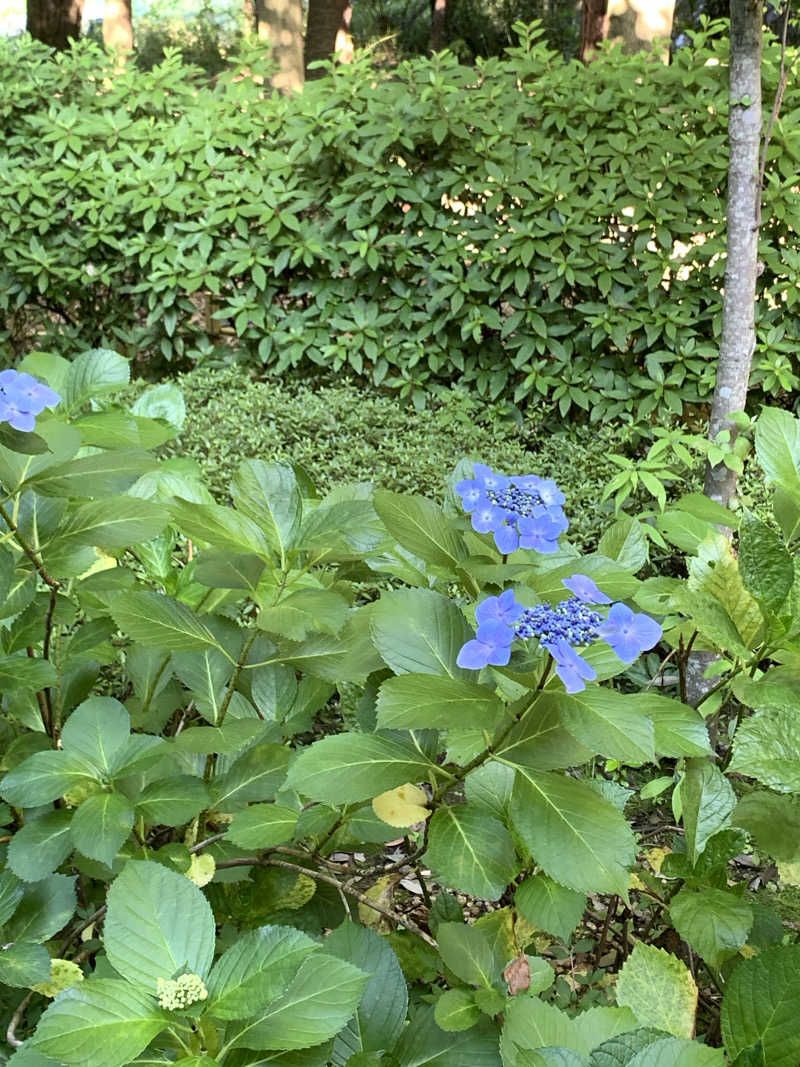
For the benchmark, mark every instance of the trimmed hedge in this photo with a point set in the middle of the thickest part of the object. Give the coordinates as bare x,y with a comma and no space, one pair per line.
532,229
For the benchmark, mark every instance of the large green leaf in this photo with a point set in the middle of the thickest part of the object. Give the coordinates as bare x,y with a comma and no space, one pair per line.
101,825
767,747
306,611
40,846
20,672
456,1010
269,495
540,742
424,1044
256,970
255,775
550,906
99,1023
471,851
678,1052
759,1009
158,925
422,527
221,527
46,776
659,990
11,893
620,1050
351,767
23,964
418,631
609,723
469,954
707,800
100,475
425,701
47,906
530,1023
207,674
764,563
94,373
678,729
714,922
97,730
262,826
157,621
774,821
778,448
113,522
317,1003
578,838
381,1014
172,801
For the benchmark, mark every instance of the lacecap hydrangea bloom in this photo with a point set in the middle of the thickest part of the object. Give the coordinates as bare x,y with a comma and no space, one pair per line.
177,994
560,628
22,398
522,511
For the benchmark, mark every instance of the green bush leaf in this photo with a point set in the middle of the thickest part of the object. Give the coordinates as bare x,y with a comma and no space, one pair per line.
352,767
262,826
715,923
778,448
94,373
456,1010
421,527
707,800
113,522
172,801
97,731
428,702
255,775
469,954
157,621
46,776
101,825
764,563
99,1023
268,494
471,851
659,990
158,925
40,846
424,1042
93,476
47,906
305,611
221,527
418,631
550,906
23,964
767,747
11,893
759,1009
609,723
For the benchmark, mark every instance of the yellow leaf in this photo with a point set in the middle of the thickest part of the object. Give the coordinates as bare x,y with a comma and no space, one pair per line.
381,893
102,563
656,856
201,870
402,806
63,974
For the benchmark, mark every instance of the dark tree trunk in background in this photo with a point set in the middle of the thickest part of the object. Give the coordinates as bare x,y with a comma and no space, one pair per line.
280,22
741,269
327,33
438,14
633,23
118,26
593,26
54,22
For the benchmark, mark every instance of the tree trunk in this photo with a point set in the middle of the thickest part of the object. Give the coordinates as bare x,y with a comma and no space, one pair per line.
633,23
741,269
327,33
118,26
281,23
438,15
250,19
54,22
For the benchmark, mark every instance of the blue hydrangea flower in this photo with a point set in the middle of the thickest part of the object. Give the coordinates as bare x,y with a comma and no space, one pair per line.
582,586
491,645
503,608
22,398
521,511
572,669
570,620
628,633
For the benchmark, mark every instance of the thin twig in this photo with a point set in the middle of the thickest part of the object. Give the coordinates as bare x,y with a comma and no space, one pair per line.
11,1036
76,933
362,898
776,107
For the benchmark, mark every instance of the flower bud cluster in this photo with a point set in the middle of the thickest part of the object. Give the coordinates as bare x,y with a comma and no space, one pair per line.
178,993
570,620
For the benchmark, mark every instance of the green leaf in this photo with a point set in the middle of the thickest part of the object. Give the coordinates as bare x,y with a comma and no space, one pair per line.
678,1052
578,838
164,401
678,729
381,1014
597,1025
11,893
609,723
425,1044
469,954
530,1023
26,444
659,990
316,1005
221,527
262,826
99,1023
778,448
40,846
46,776
94,373
624,542
255,970
305,611
101,825
418,631
113,522
421,527
620,1050
269,495
774,821
550,906
158,925
207,674
97,730
471,851
759,1009
23,964
456,1010
540,742
351,767
767,747
425,701
255,775
764,563
20,672
172,801
713,922
224,570
707,800
46,908
93,476
157,621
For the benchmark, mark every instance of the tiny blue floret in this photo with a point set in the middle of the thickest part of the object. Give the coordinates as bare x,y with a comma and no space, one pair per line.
22,398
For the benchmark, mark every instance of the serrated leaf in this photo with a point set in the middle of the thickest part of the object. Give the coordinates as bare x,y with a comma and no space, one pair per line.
715,923
262,826
421,527
172,801
429,702
20,672
608,723
576,837
425,1044
11,893
767,747
471,851
316,1005
46,776
764,563
659,990
532,1024
774,821
778,448
255,775
157,621
469,954
678,1052
94,373
46,908
101,825
550,906
96,731
418,631
113,522
456,1010
40,846
100,475
268,494
601,1023
99,1023
23,964
707,801
759,1009
221,527
305,611
158,925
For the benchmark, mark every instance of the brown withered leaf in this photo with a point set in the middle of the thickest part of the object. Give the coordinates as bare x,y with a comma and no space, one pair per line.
518,975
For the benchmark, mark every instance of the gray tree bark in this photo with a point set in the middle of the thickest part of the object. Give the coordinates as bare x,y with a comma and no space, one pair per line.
744,197
281,23
118,26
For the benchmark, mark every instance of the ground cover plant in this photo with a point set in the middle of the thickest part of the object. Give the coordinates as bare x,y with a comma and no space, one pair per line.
209,860
565,245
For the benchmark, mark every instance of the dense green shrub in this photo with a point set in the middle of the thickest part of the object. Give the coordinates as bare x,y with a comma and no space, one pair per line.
529,228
